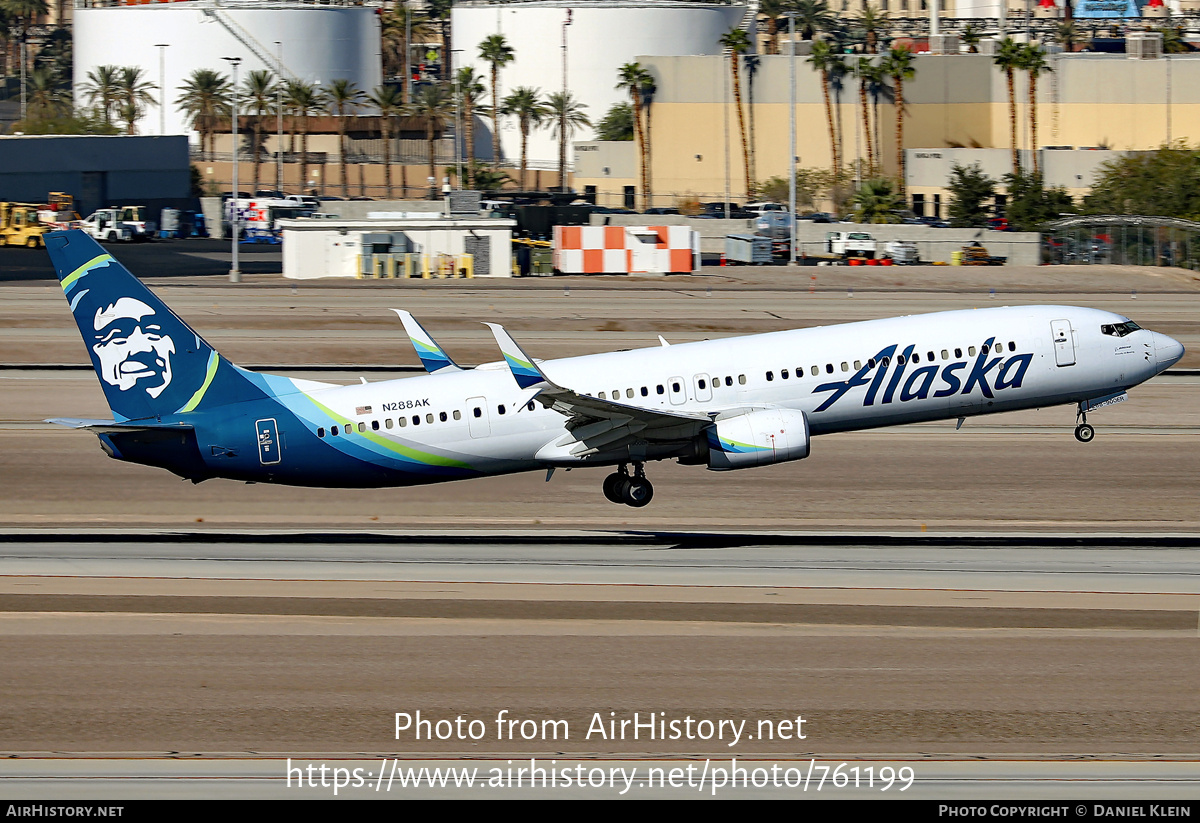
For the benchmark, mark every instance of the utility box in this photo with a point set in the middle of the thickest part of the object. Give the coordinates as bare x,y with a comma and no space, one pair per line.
747,248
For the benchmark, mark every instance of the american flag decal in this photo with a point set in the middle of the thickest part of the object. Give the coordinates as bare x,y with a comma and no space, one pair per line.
362,410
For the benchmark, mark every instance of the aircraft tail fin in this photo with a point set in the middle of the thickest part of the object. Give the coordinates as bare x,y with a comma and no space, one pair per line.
150,363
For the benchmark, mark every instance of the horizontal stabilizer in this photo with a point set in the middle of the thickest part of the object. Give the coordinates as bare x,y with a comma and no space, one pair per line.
100,426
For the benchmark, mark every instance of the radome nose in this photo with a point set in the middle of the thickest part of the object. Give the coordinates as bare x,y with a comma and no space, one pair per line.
1167,351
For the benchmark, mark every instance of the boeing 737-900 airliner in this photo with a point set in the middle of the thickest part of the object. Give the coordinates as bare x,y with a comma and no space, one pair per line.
726,404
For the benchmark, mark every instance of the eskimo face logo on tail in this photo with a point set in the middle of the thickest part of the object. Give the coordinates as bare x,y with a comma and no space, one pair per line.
132,347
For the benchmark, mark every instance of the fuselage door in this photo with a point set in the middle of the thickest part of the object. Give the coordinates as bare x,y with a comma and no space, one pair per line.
477,417
268,441
677,391
702,387
1064,342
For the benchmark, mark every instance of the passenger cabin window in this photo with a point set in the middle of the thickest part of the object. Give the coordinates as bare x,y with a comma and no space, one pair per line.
402,421
362,427
348,428
458,414
770,376
783,373
429,417
816,370
528,405
958,352
333,431
742,379
702,383
320,431
478,412
645,393
728,381
676,387
416,418
629,394
374,425
499,409
857,365
603,395
442,417
659,388
1012,346
971,351
845,366
387,424
945,354
829,368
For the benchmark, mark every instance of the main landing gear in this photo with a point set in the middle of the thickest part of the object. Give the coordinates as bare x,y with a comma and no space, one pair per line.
634,491
1083,432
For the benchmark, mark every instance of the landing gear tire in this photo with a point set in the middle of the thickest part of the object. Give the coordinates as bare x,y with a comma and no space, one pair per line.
613,487
1084,433
638,492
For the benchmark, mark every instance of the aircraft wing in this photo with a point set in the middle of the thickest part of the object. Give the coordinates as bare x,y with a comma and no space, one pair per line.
595,425
433,357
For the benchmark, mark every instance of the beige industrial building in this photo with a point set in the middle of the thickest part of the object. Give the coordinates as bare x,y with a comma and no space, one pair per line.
1096,102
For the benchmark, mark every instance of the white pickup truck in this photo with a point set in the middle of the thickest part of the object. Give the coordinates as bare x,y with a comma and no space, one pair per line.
848,244
106,224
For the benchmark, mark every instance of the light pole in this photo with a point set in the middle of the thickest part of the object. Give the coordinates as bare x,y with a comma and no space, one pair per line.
162,87
279,121
458,124
562,115
791,167
235,274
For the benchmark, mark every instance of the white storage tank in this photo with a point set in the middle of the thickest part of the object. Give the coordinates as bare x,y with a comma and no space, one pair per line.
317,41
603,36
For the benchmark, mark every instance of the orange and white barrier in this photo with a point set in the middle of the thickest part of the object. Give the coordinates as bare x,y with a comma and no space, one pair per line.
626,249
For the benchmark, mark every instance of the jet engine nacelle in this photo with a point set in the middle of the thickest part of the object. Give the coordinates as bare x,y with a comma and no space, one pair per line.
757,438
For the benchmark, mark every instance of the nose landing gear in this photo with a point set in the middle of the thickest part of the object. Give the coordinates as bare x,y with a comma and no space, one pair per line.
1083,432
634,491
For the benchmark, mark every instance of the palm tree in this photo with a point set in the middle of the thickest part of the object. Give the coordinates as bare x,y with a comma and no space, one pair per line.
46,99
102,90
877,201
133,95
470,93
302,100
774,11
343,97
866,71
872,22
898,65
389,101
205,97
525,104
399,27
632,77
1033,61
823,59
433,104
1009,56
567,117
26,11
736,43
972,36
495,51
260,91
440,10
1066,34
813,16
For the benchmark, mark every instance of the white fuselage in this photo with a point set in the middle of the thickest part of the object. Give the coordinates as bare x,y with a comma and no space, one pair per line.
852,376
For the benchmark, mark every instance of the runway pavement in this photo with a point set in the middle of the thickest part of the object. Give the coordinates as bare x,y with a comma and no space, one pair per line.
920,595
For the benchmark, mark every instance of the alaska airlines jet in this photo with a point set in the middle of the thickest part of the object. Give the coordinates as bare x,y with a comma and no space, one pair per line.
724,404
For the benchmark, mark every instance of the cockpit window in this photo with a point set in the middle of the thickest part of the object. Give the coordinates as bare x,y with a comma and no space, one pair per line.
1119,329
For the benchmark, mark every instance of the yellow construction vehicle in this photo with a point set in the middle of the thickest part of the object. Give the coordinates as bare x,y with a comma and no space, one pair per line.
19,225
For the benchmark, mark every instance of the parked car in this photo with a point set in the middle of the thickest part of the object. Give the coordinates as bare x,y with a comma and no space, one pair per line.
934,222
999,224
